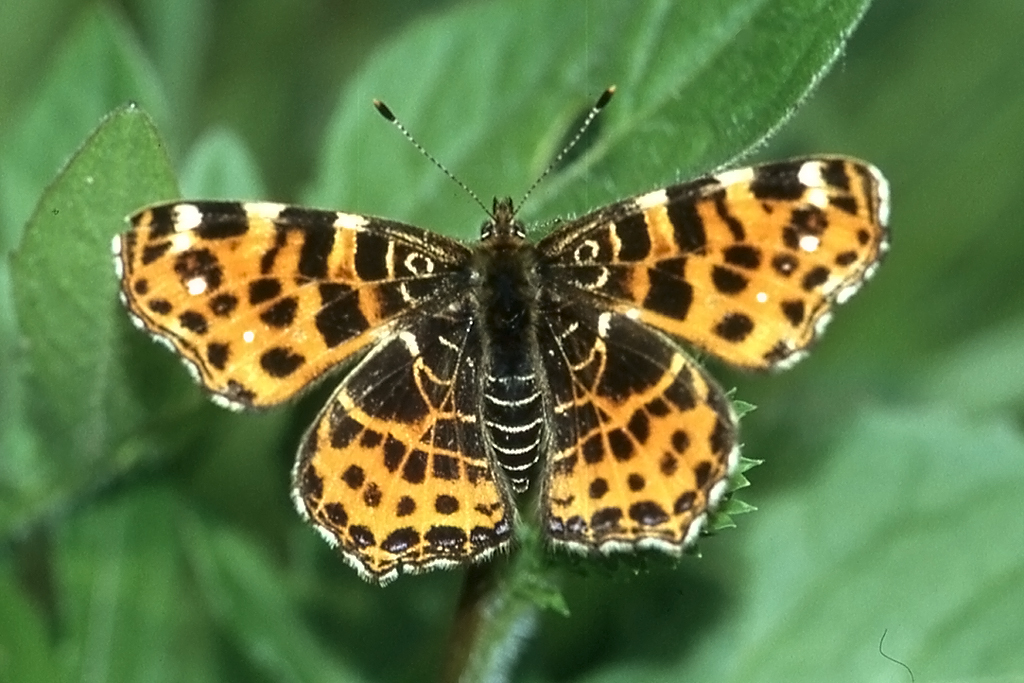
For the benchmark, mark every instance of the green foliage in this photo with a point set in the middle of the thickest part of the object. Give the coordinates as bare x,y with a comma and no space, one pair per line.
148,535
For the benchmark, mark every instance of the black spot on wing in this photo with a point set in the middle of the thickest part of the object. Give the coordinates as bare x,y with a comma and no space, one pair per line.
161,220
201,264
339,318
193,322
221,220
814,278
634,238
445,540
668,295
728,281
371,256
778,181
151,252
833,172
688,229
731,222
318,241
263,289
223,304
743,255
282,313
280,361
846,203
400,540
217,354
648,513
794,311
734,327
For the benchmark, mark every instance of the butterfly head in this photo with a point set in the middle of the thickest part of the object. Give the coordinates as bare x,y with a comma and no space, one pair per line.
502,224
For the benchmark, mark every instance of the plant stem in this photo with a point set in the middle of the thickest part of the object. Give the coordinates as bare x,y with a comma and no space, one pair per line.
492,622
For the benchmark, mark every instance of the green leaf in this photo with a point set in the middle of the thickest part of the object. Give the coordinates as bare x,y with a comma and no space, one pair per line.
25,652
220,166
698,83
913,526
177,35
95,68
983,375
98,67
28,31
129,612
250,600
66,295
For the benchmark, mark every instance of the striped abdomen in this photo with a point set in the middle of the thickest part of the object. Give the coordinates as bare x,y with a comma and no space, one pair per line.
514,424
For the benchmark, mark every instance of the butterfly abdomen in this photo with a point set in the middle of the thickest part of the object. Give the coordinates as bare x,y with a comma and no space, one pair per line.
511,406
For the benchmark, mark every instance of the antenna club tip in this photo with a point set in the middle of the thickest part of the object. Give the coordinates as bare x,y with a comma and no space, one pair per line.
384,111
605,97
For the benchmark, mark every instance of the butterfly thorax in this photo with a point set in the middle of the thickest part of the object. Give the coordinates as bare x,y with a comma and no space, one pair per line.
506,291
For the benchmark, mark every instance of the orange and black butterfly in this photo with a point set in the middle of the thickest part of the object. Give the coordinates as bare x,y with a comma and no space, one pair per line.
478,370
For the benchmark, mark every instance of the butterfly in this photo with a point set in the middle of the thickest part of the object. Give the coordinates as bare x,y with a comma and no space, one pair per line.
475,371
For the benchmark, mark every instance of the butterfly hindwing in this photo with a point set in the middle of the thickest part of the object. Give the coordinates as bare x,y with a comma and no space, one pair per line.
642,439
394,471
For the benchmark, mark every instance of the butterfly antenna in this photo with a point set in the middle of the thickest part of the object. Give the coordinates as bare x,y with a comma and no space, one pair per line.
591,115
390,116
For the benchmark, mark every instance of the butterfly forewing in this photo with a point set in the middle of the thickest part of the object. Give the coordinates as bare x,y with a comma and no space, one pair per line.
745,265
262,299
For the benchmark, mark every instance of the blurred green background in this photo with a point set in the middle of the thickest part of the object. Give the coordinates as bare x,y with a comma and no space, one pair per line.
148,536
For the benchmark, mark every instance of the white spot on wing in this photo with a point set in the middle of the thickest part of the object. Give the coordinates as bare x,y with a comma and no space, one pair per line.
196,286
248,336
809,243
409,339
350,221
717,492
810,174
655,198
736,176
846,292
300,505
818,197
267,210
761,297
604,321
821,323
181,242
445,341
187,217
136,320
696,526
166,343
790,360
225,402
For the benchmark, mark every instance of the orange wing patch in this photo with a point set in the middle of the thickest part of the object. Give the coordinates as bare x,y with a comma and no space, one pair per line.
746,265
394,472
262,299
643,440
